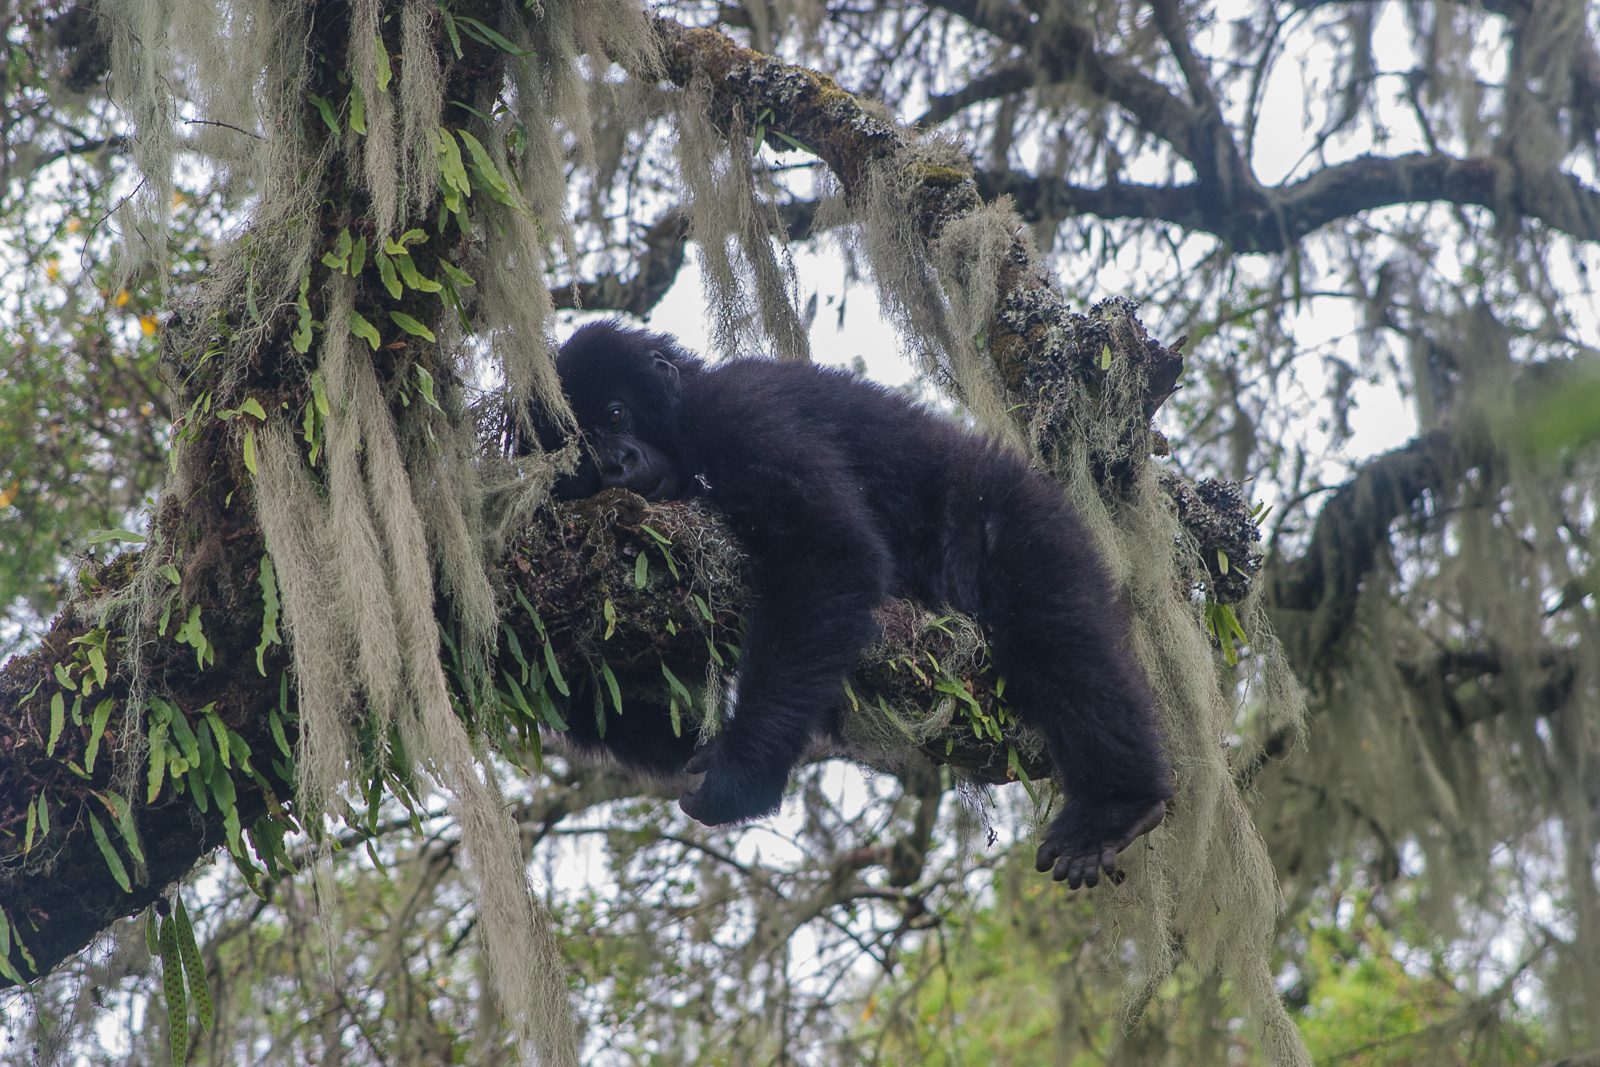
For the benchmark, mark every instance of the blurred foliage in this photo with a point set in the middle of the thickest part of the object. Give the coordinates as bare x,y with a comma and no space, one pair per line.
83,410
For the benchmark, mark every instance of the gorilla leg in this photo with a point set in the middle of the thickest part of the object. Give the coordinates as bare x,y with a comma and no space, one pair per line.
1058,635
641,739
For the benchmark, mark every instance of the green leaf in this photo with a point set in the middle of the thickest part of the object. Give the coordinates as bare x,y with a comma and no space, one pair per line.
220,732
364,330
184,736
518,698
386,272
678,687
250,449
172,986
358,109
33,824
122,814
325,107
641,570
113,861
425,386
609,610
796,143
97,727
197,785
487,35
158,761
269,613
279,738
1014,765
241,751
252,406
320,395
382,56
450,29
547,708
1105,358
58,721
451,169
456,274
7,968
611,684
301,339
499,187
555,669
1222,561
199,989
358,256
100,537
538,623
411,325
408,272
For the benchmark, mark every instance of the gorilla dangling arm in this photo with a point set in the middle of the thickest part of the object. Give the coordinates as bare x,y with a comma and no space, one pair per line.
819,570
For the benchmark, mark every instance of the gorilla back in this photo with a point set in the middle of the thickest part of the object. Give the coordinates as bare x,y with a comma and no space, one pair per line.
845,493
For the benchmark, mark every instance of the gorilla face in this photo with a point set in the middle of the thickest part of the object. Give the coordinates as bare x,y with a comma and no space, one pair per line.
626,399
627,460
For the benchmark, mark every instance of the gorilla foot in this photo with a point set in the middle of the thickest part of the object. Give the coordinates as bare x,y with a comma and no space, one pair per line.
728,795
1082,843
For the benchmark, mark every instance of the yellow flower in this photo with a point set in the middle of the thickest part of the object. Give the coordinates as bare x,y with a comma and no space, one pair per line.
122,298
178,199
9,493
52,269
148,324
74,225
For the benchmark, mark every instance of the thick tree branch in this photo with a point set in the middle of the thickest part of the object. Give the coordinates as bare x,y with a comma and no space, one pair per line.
1066,52
1312,598
1012,77
1287,214
655,271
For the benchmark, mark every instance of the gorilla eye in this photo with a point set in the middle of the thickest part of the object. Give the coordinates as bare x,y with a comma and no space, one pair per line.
614,415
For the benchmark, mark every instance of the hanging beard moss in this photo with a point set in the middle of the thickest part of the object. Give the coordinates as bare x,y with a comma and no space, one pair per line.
335,123
1458,716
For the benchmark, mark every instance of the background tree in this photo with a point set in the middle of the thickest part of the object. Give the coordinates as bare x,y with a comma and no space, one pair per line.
1334,202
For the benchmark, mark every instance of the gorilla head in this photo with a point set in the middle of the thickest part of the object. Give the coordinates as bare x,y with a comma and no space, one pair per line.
626,398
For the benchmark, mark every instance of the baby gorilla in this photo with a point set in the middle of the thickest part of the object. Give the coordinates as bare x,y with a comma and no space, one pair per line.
843,494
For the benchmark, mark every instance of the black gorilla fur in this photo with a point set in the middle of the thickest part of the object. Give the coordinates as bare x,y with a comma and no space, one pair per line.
843,494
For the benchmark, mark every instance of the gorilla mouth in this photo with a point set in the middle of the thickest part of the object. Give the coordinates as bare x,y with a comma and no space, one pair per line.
659,491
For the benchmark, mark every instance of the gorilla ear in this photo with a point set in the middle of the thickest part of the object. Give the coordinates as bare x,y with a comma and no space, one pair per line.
664,366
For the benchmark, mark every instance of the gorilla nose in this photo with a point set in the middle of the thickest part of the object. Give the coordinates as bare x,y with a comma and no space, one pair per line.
617,466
